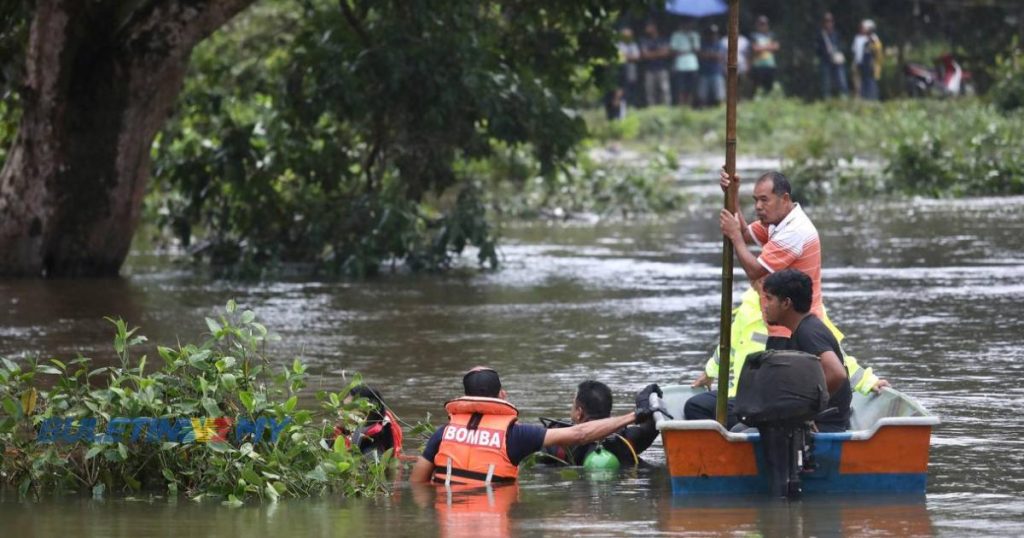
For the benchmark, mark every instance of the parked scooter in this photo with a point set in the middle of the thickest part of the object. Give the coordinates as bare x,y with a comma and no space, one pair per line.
946,79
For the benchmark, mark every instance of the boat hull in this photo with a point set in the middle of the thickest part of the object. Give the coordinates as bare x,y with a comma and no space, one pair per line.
889,455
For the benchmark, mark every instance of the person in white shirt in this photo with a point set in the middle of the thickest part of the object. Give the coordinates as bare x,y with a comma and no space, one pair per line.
742,64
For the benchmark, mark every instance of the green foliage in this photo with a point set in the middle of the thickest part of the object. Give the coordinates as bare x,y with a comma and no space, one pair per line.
515,187
1008,73
14,24
14,19
227,375
10,113
332,132
925,146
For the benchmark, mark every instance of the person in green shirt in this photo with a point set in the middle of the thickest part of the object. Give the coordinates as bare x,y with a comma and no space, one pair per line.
763,46
685,42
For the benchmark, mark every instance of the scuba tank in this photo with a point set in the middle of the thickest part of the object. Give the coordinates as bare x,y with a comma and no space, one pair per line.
601,460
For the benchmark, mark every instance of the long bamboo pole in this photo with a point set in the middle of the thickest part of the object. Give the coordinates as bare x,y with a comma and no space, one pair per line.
725,331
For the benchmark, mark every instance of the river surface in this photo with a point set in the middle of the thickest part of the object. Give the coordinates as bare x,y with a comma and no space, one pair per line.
929,293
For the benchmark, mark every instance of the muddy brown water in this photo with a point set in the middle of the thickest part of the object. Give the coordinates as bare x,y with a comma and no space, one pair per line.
929,292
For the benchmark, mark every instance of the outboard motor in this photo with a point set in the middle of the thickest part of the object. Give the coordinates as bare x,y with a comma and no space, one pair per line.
780,393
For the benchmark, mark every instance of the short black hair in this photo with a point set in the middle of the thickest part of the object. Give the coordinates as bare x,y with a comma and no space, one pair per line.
372,395
595,399
780,185
793,285
482,381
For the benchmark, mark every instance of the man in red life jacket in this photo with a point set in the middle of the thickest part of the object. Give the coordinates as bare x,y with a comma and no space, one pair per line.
483,443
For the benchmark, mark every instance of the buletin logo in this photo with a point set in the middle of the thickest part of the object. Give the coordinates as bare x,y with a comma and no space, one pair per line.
460,434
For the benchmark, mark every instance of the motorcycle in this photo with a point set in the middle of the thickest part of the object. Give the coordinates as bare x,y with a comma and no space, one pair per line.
946,79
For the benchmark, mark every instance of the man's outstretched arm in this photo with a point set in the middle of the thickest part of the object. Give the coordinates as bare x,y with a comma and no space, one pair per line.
587,432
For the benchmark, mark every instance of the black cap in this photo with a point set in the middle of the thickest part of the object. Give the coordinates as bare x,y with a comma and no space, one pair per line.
481,381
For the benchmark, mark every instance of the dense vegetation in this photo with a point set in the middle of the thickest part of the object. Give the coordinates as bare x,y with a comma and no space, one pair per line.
225,375
922,147
353,135
350,136
1008,91
413,145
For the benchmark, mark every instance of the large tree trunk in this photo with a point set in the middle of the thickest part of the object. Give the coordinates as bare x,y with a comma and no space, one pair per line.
99,85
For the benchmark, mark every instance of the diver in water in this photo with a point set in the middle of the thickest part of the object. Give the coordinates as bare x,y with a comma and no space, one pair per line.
593,401
379,432
483,442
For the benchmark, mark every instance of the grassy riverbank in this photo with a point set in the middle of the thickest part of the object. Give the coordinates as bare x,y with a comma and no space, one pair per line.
921,147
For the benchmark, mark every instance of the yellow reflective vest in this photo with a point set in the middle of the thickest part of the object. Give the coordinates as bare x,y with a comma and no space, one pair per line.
749,335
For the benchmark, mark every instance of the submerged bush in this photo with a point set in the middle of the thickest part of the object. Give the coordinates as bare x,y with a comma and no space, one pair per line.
53,410
515,187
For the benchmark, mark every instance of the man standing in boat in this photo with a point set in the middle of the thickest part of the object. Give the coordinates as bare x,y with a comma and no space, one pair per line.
483,443
788,239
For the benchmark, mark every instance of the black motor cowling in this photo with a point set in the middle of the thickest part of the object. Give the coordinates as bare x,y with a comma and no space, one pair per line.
780,393
780,387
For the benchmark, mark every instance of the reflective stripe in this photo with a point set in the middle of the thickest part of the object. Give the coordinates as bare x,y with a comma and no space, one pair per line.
855,380
760,338
448,476
490,474
474,476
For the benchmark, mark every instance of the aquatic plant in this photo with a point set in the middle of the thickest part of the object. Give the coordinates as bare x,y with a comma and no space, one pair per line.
137,425
512,185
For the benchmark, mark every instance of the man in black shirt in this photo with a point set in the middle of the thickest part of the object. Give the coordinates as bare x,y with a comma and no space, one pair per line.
594,401
787,302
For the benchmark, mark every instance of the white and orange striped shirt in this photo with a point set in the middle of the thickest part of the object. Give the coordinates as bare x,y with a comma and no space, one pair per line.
791,244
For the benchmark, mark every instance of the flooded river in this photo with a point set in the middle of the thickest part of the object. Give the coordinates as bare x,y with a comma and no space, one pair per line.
929,293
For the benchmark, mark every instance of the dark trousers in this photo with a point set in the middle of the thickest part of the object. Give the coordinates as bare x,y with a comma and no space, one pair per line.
764,78
833,77
868,84
702,407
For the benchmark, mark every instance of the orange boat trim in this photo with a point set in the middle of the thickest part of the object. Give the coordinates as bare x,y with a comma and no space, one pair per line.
707,453
893,449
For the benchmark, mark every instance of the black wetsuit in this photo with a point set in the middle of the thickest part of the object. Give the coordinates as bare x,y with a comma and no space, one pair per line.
639,437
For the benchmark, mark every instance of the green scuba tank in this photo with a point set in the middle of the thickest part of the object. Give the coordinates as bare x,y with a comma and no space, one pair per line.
600,459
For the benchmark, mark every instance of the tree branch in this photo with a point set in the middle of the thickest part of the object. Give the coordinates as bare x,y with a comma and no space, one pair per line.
355,22
176,24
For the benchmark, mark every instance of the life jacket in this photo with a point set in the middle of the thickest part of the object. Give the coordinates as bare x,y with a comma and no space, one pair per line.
474,447
374,433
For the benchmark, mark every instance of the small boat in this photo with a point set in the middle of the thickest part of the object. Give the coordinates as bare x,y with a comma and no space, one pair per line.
885,450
